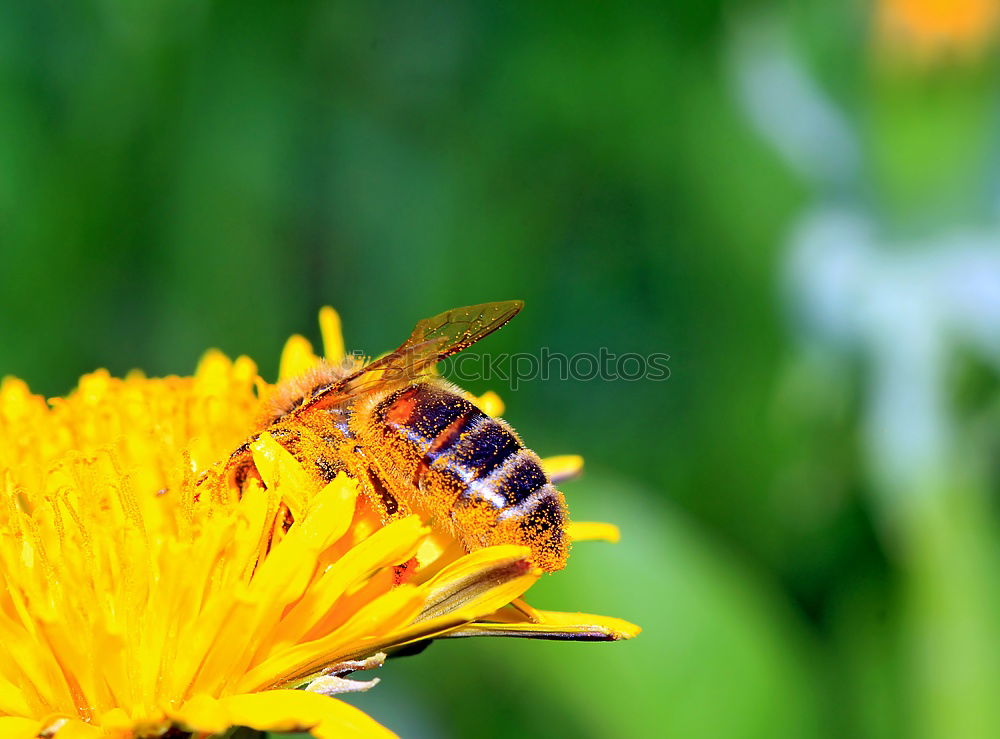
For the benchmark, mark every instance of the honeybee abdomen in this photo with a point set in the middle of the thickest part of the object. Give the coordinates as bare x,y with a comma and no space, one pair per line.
474,470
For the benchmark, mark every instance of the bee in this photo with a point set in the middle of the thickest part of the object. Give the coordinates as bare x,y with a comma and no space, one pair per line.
416,443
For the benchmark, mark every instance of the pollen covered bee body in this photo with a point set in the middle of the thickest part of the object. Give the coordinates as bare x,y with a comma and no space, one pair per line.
418,444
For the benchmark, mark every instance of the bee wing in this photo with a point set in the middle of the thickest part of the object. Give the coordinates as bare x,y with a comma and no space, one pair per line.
432,340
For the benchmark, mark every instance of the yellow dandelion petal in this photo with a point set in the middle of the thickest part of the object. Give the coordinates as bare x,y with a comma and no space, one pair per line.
563,467
212,375
73,729
388,546
593,531
279,468
474,587
202,713
13,700
280,710
333,338
490,403
295,665
463,583
19,728
552,625
297,358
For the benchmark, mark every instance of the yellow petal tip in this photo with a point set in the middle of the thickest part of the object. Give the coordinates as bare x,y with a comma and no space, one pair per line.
297,357
563,467
490,403
333,337
593,531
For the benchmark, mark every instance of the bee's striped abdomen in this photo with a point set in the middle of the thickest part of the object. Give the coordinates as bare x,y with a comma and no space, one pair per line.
474,470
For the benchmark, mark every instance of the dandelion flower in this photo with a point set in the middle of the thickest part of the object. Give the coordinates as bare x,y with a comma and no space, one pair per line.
133,606
936,29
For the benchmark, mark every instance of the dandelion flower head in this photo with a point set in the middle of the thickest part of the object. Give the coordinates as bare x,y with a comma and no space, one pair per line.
133,605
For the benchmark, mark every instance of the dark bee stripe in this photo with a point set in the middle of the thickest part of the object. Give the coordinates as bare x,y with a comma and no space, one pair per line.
520,476
454,436
485,447
447,440
423,412
469,465
544,521
438,412
542,512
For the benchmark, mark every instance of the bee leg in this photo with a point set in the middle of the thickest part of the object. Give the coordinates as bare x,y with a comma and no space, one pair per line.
387,505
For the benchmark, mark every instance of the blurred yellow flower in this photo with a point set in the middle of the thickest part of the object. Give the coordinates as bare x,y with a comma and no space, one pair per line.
930,29
132,605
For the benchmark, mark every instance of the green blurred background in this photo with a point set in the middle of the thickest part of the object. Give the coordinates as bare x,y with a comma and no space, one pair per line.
181,174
